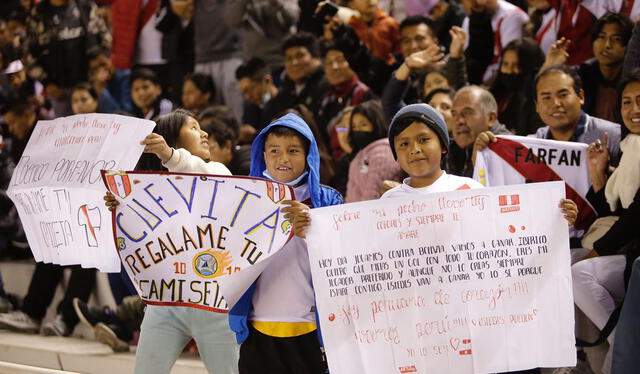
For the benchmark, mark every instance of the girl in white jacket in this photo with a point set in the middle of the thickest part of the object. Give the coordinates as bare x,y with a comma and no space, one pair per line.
179,145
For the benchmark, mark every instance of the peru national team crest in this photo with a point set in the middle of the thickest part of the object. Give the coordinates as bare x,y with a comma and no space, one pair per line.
119,184
276,191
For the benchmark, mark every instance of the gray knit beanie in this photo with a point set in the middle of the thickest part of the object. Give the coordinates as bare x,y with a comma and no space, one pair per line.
421,113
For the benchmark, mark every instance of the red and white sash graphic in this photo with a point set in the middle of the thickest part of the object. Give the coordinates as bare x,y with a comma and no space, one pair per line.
275,191
517,160
119,184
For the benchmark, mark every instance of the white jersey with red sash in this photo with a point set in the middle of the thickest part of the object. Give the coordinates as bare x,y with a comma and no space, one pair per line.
507,23
630,8
519,159
547,34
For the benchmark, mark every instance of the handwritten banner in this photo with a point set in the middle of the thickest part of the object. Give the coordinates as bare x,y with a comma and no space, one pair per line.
196,240
474,281
57,187
520,159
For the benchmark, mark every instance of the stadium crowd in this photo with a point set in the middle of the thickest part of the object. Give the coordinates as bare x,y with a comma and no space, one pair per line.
565,70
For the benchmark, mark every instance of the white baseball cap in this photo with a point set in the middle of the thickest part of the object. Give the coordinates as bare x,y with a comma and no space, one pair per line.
14,67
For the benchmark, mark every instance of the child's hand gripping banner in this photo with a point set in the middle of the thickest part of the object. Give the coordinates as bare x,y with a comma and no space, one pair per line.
57,187
520,159
474,281
196,240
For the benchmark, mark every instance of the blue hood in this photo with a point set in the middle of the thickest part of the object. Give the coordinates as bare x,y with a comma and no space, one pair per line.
296,123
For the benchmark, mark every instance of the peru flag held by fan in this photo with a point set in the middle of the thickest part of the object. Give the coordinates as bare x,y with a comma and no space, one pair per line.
519,159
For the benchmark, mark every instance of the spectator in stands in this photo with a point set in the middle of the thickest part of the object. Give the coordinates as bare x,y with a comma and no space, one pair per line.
218,51
474,111
441,99
13,33
223,126
575,20
146,94
139,28
258,89
379,32
62,33
507,21
304,82
21,118
345,89
446,14
421,53
513,86
559,97
341,176
198,92
373,162
264,25
84,99
599,281
601,75
542,24
176,145
397,89
178,44
131,46
327,168
113,89
432,79
20,86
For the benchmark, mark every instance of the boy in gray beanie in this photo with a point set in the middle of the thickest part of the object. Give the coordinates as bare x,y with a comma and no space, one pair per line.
419,141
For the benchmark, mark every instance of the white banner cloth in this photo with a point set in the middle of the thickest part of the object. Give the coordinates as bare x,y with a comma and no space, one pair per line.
473,281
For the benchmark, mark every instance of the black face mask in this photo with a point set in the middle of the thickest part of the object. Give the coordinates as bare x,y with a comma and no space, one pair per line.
361,139
511,82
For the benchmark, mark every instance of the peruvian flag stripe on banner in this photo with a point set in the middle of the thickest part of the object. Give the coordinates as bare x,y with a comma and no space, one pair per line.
519,159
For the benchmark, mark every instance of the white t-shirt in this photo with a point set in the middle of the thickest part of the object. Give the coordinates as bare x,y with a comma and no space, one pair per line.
149,47
284,292
445,183
548,32
599,7
507,21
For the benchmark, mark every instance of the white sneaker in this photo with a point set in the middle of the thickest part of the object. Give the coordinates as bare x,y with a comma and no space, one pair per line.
18,320
57,327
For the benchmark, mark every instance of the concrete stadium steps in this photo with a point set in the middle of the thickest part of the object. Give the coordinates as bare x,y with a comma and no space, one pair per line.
24,353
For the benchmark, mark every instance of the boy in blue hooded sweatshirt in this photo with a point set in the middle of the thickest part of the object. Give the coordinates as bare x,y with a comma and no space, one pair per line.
275,320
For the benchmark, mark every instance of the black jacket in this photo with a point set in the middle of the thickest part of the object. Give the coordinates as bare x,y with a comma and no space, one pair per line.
624,231
589,72
311,95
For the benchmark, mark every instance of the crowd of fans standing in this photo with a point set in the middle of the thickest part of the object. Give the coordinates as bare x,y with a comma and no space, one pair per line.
554,69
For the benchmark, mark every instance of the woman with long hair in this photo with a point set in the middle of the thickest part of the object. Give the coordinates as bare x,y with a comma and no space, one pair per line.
513,86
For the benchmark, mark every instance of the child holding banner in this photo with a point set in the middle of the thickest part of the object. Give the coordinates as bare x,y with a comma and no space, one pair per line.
419,139
166,330
279,335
